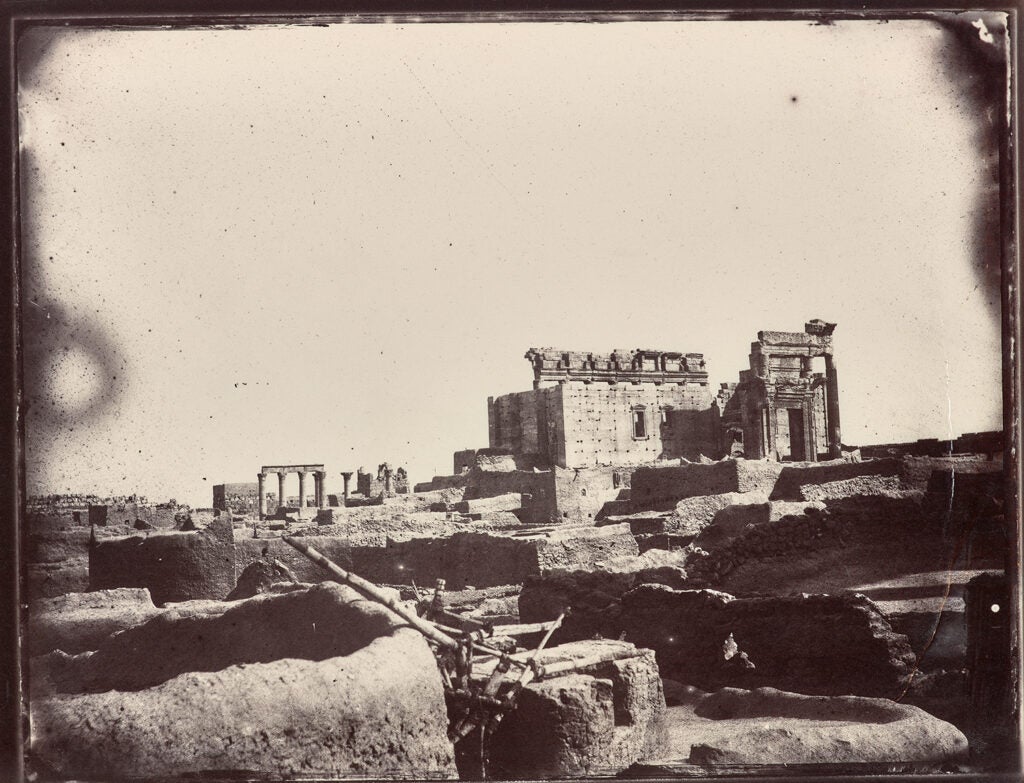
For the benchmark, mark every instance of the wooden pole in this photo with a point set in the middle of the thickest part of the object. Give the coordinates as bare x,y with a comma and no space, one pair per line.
374,593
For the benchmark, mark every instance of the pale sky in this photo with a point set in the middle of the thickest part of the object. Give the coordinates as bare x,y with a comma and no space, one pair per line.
331,244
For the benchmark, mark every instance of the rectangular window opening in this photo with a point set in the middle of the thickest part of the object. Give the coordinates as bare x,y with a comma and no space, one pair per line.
639,424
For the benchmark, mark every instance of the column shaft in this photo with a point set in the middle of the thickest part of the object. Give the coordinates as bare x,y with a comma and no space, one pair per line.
832,408
261,489
281,502
302,489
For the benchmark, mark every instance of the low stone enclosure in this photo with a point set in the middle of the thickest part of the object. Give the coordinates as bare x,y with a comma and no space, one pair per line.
813,580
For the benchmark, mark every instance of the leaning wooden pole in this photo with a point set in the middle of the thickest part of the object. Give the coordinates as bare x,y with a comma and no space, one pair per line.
374,593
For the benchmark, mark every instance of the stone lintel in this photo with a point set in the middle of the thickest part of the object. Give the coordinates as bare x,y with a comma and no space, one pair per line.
304,468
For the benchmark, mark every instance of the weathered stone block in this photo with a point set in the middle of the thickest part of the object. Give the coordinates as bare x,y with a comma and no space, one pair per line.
597,722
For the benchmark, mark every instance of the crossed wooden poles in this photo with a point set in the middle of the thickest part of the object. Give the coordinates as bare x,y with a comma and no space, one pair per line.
479,703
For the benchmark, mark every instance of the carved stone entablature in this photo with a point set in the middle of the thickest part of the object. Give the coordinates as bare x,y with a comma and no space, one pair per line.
553,365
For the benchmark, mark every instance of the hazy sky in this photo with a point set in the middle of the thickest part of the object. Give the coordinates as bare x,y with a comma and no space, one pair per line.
331,244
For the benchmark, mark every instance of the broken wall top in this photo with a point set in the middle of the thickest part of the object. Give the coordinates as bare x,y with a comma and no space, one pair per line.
557,365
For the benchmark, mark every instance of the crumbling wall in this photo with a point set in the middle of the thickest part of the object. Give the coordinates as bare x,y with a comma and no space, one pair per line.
174,566
897,522
663,487
793,479
462,559
581,493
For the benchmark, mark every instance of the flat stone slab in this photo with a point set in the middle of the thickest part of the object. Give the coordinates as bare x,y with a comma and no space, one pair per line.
732,727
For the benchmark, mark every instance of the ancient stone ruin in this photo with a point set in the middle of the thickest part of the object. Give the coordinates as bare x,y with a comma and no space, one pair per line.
633,578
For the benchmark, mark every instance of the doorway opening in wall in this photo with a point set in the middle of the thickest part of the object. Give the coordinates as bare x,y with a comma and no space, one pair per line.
796,435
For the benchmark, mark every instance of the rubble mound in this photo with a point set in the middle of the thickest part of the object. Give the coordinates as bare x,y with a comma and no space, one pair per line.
766,726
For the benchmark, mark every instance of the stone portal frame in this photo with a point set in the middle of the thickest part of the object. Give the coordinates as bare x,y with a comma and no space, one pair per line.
282,471
780,392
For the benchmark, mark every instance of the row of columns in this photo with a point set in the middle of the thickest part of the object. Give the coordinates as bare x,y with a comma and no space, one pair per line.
319,489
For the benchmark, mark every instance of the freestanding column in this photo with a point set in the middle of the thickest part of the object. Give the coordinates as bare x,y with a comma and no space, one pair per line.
832,408
302,489
323,489
318,488
281,503
346,477
260,478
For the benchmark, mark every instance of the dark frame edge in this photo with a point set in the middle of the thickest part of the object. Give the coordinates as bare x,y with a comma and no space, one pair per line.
18,16
11,476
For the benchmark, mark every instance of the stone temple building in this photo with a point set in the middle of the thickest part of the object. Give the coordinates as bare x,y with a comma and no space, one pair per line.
626,407
642,406
782,408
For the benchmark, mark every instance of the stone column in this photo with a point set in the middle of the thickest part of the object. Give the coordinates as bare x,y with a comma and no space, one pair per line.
346,477
832,408
281,476
302,489
260,478
321,483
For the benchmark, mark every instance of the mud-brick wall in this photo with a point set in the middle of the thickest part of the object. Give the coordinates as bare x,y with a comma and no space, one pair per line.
475,559
581,494
174,566
654,487
793,477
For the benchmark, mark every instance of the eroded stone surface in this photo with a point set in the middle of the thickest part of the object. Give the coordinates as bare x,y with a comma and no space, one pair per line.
377,712
768,726
597,722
